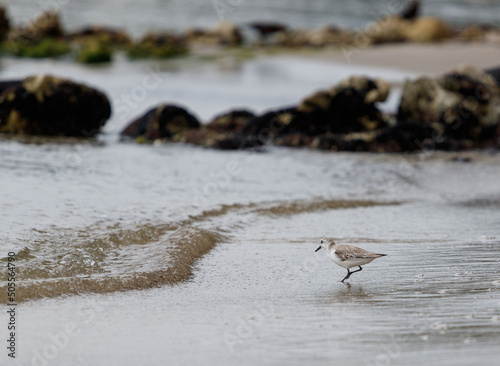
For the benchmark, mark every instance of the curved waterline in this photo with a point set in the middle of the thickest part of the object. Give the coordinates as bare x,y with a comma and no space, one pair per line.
68,262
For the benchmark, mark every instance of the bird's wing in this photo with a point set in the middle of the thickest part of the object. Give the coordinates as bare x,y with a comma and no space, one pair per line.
345,252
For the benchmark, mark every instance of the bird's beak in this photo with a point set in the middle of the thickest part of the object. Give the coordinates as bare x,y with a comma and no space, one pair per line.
317,249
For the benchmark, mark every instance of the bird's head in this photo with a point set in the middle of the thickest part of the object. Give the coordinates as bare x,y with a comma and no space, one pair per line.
325,243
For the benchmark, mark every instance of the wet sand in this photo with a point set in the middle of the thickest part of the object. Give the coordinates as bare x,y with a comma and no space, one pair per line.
431,59
265,297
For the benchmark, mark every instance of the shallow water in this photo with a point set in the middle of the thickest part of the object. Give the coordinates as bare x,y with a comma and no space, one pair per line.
265,297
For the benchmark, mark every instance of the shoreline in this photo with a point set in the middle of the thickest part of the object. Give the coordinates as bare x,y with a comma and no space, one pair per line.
423,58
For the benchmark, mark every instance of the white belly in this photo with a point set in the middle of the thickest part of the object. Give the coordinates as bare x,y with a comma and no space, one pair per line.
349,263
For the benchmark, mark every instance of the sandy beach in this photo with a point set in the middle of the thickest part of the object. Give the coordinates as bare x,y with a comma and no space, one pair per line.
429,59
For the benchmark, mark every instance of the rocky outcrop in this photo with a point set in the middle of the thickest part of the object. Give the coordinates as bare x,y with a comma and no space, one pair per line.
347,107
266,28
45,25
171,123
459,110
224,34
228,33
463,104
272,124
94,50
162,122
218,140
158,45
234,121
48,105
320,37
397,29
42,37
112,36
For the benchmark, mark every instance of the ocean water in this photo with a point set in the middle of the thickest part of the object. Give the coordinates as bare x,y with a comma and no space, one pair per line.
182,14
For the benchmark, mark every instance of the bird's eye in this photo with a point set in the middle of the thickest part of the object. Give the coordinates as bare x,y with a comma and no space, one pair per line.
322,241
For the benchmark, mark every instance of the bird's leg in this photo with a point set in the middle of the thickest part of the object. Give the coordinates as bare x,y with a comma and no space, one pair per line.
360,269
349,273
347,276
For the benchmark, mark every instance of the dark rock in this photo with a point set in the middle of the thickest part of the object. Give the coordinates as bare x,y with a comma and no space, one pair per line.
406,137
294,140
354,141
420,100
4,23
411,10
234,121
7,84
196,136
265,28
115,37
270,124
48,105
495,141
164,121
399,138
495,72
463,104
212,139
348,107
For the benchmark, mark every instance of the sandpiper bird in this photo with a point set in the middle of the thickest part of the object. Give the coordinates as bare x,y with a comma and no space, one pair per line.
347,256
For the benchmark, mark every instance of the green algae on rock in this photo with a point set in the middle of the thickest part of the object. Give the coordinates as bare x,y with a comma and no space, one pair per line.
94,50
53,106
158,45
42,37
48,47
